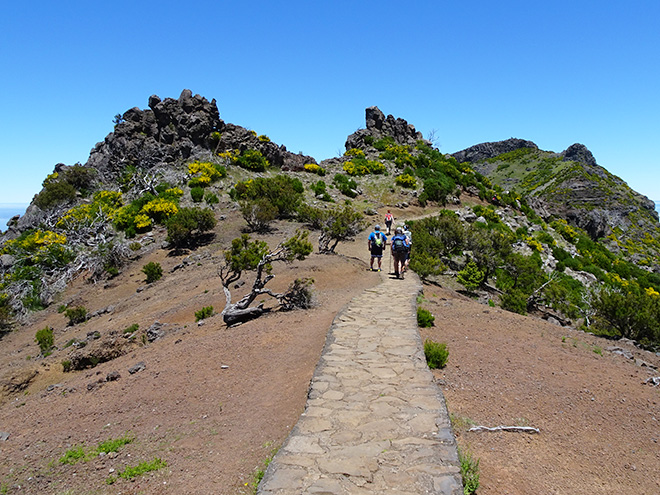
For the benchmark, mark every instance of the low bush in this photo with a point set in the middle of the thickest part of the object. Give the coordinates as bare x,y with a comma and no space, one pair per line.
314,169
46,341
197,194
346,185
153,271
205,312
184,228
436,354
424,318
76,315
252,160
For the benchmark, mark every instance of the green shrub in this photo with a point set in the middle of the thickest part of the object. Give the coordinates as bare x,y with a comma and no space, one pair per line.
131,329
135,246
471,276
424,318
197,194
258,214
282,191
346,185
211,199
436,354
46,341
252,160
5,311
134,471
515,301
184,228
205,312
406,180
153,271
113,445
55,193
76,315
67,365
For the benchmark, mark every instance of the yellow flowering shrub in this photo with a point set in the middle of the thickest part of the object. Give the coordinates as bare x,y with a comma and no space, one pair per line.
230,155
159,209
406,180
651,292
314,169
354,152
534,244
363,167
39,246
263,138
142,221
174,191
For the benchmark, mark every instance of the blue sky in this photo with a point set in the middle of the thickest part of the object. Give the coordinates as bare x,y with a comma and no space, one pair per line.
303,72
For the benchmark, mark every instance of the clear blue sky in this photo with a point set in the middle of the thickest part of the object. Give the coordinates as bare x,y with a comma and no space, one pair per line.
303,72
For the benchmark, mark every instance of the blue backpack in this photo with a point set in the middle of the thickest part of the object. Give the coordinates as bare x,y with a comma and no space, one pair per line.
399,244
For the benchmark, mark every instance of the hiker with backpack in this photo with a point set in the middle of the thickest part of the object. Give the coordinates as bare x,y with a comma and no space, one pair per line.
388,221
376,244
400,247
408,234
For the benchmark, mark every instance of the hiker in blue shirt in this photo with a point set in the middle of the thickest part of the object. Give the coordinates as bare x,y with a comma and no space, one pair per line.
376,243
400,247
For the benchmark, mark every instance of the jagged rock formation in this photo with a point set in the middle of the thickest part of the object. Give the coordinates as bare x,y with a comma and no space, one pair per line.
484,151
171,131
379,126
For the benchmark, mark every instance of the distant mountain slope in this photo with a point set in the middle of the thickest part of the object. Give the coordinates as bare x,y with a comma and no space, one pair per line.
571,185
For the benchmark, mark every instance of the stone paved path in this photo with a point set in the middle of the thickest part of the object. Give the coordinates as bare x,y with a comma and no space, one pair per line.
375,421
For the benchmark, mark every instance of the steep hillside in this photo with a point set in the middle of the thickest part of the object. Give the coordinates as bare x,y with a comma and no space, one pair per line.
572,186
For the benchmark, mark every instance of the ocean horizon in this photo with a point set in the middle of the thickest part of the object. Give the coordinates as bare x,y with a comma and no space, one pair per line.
8,211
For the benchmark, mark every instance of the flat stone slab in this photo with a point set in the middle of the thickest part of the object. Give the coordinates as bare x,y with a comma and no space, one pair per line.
375,421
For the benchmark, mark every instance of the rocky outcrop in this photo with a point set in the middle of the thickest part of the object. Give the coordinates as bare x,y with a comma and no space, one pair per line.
172,131
579,153
169,131
379,126
484,151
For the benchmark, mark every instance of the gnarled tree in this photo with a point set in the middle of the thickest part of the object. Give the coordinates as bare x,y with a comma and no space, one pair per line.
256,255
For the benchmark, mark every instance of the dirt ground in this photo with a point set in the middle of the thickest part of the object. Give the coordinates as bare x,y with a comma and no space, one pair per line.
214,402
598,420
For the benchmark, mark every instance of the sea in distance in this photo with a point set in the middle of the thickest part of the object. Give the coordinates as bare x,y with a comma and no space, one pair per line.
9,210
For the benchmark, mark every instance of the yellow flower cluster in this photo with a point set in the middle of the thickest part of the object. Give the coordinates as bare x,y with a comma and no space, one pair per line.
159,208
50,178
205,170
264,139
364,167
354,152
37,241
534,244
651,292
230,155
142,221
406,180
105,203
314,169
174,191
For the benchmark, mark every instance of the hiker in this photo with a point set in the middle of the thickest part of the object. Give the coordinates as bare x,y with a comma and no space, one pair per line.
388,221
376,243
408,234
400,246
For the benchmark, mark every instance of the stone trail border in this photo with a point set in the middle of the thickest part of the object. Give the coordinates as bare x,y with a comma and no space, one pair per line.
375,421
